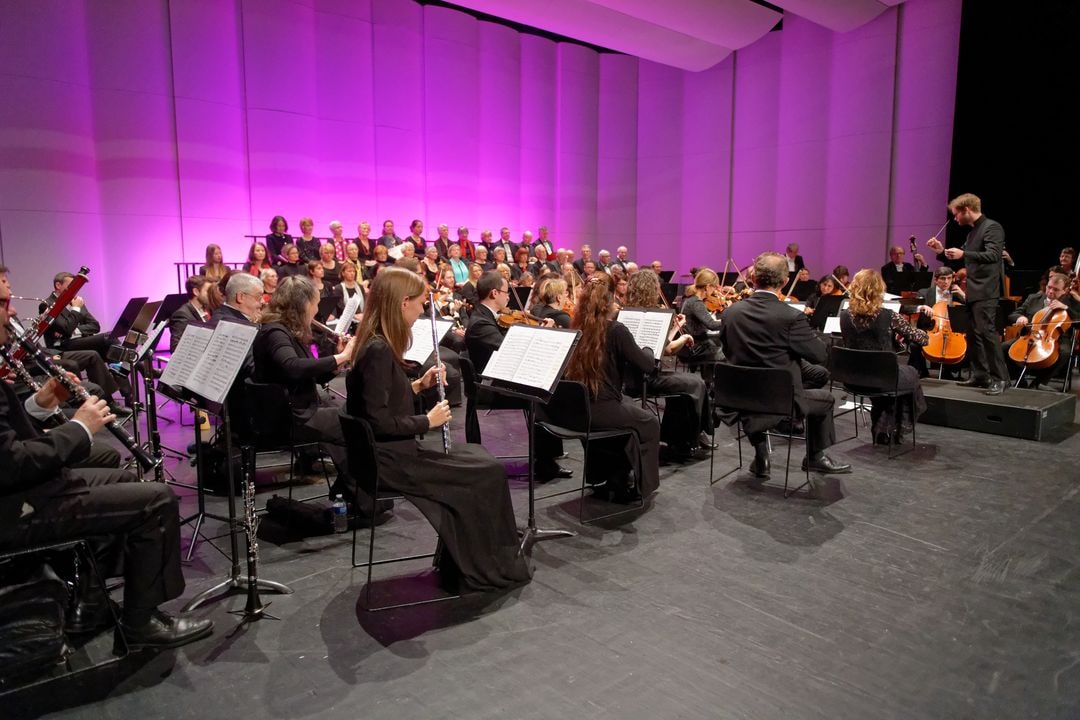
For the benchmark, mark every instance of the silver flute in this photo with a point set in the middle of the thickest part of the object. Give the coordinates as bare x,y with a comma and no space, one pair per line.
438,371
80,394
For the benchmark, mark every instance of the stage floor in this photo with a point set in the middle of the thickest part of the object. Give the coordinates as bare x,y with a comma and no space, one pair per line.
942,583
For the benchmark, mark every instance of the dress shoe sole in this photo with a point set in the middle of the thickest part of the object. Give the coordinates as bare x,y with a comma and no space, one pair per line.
827,471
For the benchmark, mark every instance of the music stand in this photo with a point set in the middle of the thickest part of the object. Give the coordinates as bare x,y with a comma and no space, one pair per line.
515,371
827,306
127,317
803,289
915,280
666,275
521,294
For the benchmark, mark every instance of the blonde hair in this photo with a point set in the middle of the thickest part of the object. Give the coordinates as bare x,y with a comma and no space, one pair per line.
702,280
866,293
382,314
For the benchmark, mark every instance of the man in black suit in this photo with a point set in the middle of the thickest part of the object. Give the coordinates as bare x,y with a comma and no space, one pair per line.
761,331
505,243
194,310
622,258
586,256
794,260
1055,296
892,271
483,337
46,497
981,255
542,240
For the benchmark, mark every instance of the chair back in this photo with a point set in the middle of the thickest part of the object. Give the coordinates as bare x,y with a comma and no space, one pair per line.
865,371
269,414
761,391
468,377
360,452
569,406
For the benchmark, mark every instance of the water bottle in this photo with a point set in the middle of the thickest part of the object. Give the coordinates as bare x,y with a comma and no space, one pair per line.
341,515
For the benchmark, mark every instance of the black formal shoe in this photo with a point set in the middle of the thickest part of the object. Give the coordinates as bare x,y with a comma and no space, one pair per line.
705,440
553,471
165,631
882,438
760,467
697,454
996,388
826,465
973,382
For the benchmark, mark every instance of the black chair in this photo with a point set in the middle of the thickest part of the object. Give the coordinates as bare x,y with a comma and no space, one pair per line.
272,428
571,419
474,402
364,469
31,672
870,374
768,392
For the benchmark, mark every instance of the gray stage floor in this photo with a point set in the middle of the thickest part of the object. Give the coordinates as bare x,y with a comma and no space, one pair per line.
939,584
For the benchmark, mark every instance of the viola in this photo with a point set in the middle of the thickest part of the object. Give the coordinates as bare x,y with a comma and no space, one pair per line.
945,346
517,317
1040,348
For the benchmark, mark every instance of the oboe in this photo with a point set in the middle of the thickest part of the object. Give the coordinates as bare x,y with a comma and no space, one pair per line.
18,368
79,393
438,371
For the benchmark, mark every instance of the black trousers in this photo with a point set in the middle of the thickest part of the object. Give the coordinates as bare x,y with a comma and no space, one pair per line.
686,414
987,359
106,502
816,404
93,364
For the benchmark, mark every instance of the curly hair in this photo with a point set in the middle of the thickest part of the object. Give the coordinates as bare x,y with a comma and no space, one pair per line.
866,292
644,290
592,317
288,306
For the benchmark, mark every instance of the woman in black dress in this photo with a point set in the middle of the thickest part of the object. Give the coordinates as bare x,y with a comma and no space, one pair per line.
605,348
551,300
866,325
463,493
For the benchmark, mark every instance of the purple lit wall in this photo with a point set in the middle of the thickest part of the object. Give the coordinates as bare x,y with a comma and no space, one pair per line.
134,132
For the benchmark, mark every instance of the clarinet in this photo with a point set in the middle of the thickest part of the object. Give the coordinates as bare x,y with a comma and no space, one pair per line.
19,369
251,528
79,393
438,377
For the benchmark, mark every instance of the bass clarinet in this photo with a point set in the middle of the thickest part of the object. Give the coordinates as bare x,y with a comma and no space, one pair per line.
79,393
438,373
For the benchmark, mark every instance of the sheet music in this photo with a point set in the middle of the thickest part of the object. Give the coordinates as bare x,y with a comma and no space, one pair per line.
894,306
797,306
649,328
341,325
421,348
531,356
221,361
832,325
187,355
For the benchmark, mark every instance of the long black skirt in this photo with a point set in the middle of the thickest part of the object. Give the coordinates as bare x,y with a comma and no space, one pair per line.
465,497
612,459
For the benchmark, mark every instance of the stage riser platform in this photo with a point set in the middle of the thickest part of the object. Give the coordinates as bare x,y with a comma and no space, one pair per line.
1027,414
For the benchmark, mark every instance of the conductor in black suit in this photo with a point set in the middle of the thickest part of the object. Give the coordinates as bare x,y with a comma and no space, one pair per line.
981,255
761,331
483,337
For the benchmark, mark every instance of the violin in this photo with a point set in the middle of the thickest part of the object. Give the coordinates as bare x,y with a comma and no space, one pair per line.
715,301
1040,348
945,346
518,317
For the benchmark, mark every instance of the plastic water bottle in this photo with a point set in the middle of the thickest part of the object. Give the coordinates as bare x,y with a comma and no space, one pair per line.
341,515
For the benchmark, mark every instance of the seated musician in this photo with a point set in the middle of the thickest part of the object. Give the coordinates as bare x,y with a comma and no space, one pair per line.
842,275
866,325
468,289
278,238
943,289
896,268
257,259
1055,296
483,336
599,362
48,494
687,423
463,492
292,264
761,331
194,310
622,286
699,321
826,286
282,355
76,333
552,302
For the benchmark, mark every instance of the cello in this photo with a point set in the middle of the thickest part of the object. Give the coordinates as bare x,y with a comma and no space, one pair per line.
945,346
1040,348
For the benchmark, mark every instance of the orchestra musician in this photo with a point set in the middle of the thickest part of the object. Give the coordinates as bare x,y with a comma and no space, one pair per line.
605,349
761,331
282,355
699,321
826,286
45,497
463,492
687,426
866,325
892,271
552,298
308,245
194,310
277,239
981,255
483,336
943,289
345,289
1056,295
795,261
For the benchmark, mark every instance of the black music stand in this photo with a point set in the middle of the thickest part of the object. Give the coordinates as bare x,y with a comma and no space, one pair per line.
827,306
127,317
534,396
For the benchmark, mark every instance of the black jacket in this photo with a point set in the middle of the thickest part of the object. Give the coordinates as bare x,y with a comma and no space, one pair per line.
982,258
178,322
280,357
482,337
